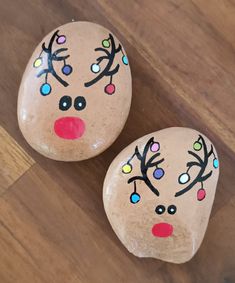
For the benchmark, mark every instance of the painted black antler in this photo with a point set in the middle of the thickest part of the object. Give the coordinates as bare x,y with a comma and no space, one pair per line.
51,57
110,50
201,163
110,57
146,164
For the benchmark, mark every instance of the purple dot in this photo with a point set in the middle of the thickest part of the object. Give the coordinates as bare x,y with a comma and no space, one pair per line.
155,147
61,39
158,173
66,70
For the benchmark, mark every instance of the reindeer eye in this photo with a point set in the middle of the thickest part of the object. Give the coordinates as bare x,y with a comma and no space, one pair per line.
172,209
160,209
65,103
79,103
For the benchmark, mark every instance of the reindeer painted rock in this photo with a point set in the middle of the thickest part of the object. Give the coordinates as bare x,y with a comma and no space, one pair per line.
75,94
158,193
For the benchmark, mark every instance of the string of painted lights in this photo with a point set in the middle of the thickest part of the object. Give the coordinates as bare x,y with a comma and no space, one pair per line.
66,69
184,178
158,172
110,50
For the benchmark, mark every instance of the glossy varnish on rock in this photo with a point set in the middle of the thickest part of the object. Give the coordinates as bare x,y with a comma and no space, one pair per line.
75,94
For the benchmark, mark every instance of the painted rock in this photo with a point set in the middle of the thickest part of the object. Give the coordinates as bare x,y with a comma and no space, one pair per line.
75,94
158,193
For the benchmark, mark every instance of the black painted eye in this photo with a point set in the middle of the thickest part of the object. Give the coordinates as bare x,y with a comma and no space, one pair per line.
172,209
79,103
160,209
65,103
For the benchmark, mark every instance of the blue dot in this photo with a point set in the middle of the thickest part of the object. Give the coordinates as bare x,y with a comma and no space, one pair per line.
67,70
95,68
158,173
125,60
216,163
184,178
45,89
135,197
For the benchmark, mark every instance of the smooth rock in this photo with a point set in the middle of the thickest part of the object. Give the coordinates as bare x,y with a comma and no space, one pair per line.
158,193
75,93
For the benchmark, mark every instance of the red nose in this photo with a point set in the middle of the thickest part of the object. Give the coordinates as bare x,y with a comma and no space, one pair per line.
162,230
69,128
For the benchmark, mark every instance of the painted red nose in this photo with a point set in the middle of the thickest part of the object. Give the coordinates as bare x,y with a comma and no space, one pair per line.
69,128
162,230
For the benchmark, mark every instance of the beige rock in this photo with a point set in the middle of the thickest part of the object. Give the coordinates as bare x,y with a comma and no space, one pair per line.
75,94
158,193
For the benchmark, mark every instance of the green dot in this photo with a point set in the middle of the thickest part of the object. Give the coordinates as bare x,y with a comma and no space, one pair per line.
197,145
105,43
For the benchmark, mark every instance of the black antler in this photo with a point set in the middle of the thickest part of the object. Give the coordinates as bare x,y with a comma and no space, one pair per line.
145,165
53,56
109,55
201,163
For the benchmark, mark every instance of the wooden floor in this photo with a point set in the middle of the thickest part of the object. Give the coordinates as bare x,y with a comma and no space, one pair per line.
52,223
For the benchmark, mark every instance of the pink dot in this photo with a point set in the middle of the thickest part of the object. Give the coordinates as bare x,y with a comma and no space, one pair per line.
61,39
155,147
201,194
109,89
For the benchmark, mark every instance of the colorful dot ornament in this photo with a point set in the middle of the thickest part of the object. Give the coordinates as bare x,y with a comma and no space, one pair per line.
155,147
67,70
184,178
197,146
127,168
106,43
45,89
61,39
158,173
125,59
38,62
216,163
109,89
201,194
134,198
95,68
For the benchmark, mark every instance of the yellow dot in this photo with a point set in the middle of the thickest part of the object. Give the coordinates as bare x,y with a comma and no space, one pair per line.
127,168
37,63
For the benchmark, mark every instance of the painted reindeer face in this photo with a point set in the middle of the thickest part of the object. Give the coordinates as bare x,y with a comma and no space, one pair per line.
75,95
159,191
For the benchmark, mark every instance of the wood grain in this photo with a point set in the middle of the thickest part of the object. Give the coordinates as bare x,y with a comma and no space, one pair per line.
14,161
52,224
